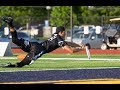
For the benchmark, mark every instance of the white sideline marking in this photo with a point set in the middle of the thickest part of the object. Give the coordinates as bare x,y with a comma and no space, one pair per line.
97,68
8,57
67,58
79,59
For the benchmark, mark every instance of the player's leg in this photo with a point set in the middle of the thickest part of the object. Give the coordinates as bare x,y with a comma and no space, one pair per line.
29,59
24,44
36,52
9,21
26,61
15,39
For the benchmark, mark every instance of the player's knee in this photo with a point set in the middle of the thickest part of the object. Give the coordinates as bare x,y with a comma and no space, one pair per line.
21,64
27,60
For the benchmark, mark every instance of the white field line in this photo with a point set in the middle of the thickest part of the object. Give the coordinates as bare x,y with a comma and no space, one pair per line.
109,59
78,59
94,68
8,57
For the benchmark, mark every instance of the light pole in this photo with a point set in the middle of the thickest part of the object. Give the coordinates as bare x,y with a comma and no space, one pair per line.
71,23
48,8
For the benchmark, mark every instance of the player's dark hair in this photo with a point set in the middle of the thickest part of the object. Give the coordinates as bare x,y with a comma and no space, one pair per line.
60,29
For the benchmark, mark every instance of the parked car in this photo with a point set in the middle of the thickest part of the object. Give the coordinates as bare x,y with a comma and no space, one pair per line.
92,39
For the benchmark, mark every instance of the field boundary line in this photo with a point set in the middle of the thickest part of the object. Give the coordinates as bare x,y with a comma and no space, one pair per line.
94,68
109,59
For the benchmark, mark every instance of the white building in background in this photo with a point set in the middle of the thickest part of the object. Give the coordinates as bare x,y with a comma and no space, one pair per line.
6,31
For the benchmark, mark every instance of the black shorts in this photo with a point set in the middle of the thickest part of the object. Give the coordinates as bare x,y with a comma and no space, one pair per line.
37,47
27,46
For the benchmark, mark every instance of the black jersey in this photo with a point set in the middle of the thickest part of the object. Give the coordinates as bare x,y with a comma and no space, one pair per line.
53,43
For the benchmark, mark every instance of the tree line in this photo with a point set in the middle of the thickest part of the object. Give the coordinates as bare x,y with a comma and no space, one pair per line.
60,15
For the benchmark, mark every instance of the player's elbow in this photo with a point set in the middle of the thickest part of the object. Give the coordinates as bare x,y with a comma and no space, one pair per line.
71,51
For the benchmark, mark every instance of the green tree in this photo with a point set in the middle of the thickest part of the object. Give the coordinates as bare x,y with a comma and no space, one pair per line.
22,14
60,15
107,12
96,14
89,15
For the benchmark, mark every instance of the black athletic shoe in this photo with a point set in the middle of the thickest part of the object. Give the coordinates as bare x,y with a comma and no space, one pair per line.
8,20
9,65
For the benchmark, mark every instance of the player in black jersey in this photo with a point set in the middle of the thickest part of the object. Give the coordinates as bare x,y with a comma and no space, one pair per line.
35,49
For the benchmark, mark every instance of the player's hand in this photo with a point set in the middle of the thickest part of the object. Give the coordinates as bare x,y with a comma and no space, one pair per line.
82,46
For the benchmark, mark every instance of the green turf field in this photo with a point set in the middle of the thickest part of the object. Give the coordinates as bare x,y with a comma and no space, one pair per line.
45,64
111,56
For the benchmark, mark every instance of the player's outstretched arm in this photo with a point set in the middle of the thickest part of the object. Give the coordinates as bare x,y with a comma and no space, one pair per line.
71,49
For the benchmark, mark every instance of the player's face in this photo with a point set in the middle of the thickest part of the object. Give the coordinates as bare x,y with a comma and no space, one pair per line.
63,34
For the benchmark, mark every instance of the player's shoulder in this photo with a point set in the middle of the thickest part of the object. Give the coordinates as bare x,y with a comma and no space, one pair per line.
54,34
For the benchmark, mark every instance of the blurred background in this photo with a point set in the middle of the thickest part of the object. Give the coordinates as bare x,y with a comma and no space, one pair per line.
84,24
